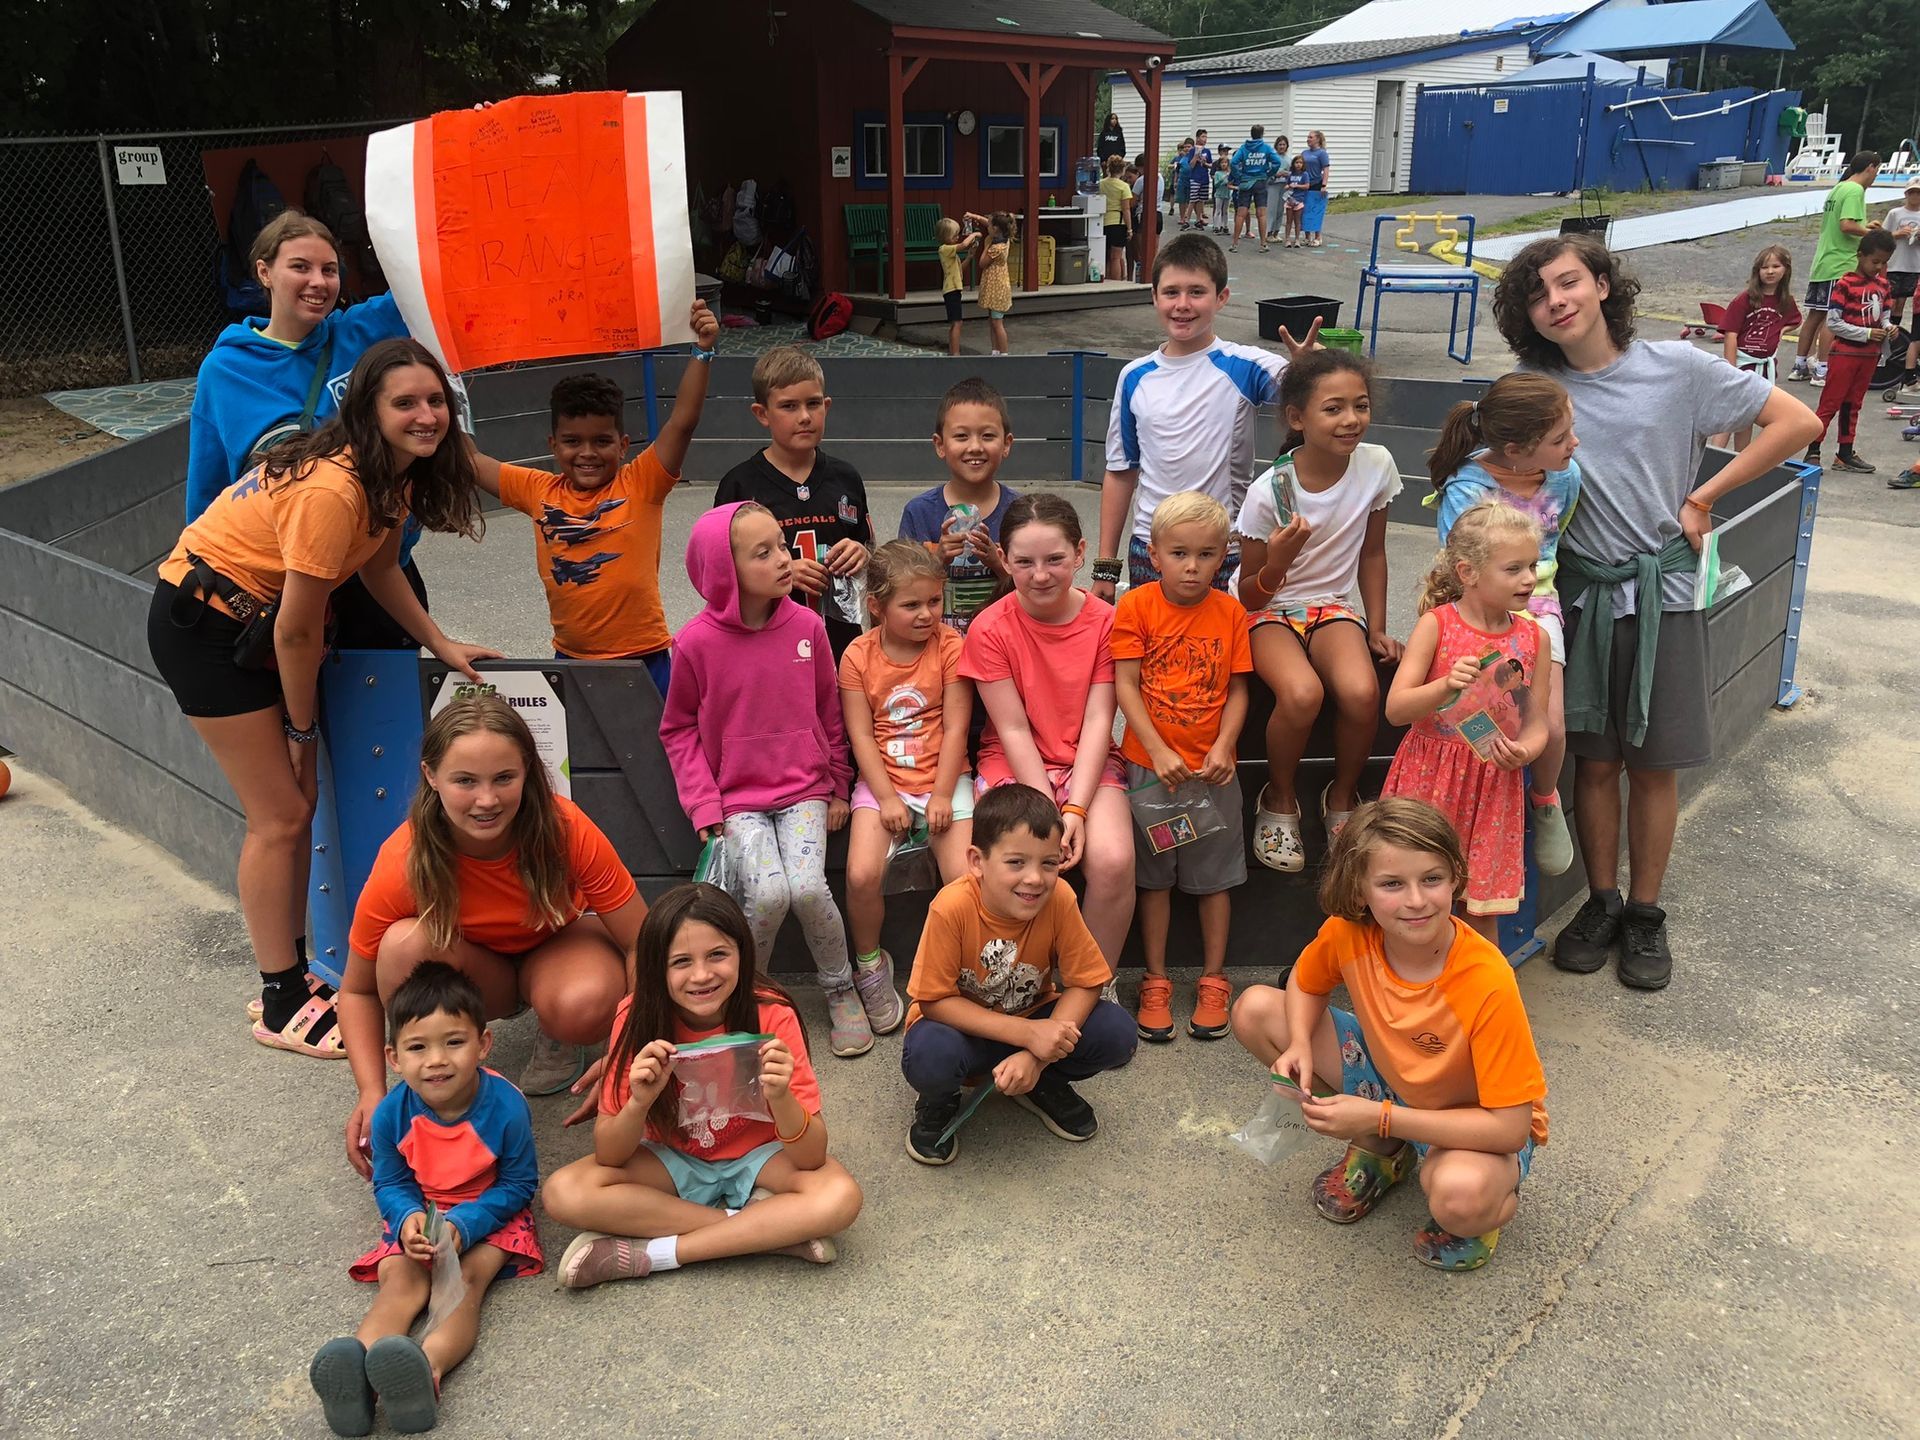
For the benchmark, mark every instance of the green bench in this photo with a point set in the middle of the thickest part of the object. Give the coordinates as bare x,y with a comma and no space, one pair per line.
867,236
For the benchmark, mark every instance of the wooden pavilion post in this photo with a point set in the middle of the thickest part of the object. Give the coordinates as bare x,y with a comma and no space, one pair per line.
901,72
1147,82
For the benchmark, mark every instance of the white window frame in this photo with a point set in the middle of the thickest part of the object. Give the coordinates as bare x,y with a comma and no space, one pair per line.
909,126
1021,131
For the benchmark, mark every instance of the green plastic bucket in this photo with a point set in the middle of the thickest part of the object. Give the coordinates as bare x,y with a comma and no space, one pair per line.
1353,340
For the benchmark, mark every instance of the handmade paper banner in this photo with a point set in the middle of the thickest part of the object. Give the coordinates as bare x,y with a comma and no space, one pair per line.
539,227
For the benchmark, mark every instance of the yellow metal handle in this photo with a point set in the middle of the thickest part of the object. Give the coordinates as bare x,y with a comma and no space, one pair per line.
1442,230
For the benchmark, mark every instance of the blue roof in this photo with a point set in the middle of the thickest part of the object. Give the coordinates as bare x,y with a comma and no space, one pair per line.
1662,30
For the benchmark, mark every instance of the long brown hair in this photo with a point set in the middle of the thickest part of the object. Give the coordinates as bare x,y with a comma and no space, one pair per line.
1785,290
539,837
1518,410
651,1015
439,490
1520,282
1470,542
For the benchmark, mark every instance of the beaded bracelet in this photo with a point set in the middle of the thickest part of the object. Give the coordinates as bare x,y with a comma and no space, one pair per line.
1106,571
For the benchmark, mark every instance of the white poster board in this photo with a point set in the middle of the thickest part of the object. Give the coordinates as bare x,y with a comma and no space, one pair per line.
535,695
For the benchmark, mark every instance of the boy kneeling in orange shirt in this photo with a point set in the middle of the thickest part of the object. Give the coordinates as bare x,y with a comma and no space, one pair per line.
597,523
1435,1062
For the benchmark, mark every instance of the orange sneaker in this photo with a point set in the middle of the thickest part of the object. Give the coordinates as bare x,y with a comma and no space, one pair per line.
1154,1018
1211,996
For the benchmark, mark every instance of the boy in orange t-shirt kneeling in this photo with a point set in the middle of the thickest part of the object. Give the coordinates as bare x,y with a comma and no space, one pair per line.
1181,657
597,522
1436,1060
984,1001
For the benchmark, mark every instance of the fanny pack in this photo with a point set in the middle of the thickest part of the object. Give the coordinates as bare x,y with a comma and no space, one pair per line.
253,646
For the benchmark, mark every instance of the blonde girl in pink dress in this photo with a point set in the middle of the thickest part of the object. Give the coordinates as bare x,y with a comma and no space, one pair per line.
1471,688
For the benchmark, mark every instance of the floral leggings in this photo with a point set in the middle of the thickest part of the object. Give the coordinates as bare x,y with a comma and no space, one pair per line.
778,860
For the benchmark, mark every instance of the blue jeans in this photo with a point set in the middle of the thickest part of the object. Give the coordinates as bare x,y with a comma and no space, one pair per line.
938,1060
659,665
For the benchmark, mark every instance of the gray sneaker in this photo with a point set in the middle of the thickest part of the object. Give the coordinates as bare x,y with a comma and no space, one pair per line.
552,1067
874,983
848,1033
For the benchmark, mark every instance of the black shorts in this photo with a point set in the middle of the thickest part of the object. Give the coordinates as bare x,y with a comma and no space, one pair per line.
196,658
1116,237
1900,283
362,623
952,297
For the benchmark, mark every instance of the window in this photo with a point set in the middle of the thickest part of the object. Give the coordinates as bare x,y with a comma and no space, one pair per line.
929,151
1007,151
1003,152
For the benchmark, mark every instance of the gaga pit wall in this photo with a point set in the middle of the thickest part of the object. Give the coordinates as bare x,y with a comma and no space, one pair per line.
81,702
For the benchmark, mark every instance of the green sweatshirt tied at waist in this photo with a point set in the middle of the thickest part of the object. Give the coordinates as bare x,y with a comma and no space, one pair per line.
1589,586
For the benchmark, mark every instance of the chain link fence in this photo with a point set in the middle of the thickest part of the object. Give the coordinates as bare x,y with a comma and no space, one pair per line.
107,277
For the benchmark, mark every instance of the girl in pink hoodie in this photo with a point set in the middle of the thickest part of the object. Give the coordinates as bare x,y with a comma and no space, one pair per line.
754,732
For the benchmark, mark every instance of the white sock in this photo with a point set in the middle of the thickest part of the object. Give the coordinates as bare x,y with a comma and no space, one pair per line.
732,1213
664,1253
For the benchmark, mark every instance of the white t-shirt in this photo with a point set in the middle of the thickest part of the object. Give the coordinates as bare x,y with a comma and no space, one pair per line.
1328,569
1906,252
1186,423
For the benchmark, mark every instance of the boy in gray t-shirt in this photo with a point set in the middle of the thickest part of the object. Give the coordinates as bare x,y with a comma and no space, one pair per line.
1643,411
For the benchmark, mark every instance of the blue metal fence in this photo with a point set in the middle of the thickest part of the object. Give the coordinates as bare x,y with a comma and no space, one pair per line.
1550,138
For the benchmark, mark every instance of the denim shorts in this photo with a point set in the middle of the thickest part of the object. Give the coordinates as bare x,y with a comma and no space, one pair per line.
1359,1077
719,1183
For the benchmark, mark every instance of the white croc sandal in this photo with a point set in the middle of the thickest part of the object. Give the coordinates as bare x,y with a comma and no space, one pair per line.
1336,820
1276,840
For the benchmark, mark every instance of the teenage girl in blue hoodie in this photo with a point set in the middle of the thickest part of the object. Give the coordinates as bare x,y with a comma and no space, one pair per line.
267,381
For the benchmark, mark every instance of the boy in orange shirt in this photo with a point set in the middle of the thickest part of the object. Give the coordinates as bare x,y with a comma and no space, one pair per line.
1436,1059
597,523
1181,657
984,1001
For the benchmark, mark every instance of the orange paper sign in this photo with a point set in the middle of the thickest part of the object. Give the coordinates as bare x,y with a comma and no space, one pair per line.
539,227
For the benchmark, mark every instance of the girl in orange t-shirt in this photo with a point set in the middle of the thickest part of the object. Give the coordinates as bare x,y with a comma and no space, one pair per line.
277,542
1434,1064
907,710
698,1159
505,881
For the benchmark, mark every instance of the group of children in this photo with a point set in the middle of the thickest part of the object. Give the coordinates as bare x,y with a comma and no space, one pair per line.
830,682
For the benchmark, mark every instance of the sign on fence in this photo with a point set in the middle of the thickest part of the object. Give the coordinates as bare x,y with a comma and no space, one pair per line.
536,695
540,227
140,166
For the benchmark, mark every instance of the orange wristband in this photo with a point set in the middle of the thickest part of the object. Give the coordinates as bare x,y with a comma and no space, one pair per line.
805,1125
1702,508
1071,809
1386,1114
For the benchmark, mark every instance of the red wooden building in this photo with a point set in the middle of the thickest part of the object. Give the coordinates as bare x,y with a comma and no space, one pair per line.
974,105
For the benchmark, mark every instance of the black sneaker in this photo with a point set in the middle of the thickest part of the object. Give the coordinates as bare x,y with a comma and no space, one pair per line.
1059,1107
930,1118
1645,961
1584,945
1852,463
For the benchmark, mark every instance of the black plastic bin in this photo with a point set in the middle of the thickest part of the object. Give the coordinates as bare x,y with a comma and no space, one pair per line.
1297,313
1597,226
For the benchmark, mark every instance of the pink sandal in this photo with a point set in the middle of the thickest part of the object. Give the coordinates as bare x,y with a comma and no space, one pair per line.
315,985
294,1036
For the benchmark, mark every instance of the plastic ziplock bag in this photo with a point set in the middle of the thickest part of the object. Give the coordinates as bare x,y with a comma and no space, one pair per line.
713,868
965,1112
1275,1131
446,1287
1180,816
719,1083
1713,582
910,862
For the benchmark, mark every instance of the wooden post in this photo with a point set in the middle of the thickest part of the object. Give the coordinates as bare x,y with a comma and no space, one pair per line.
1147,82
1030,241
896,176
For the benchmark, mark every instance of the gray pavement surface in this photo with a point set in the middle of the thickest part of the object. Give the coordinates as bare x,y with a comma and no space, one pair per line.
1719,1239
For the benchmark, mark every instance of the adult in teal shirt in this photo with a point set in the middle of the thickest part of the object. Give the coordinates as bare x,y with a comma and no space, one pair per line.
1842,224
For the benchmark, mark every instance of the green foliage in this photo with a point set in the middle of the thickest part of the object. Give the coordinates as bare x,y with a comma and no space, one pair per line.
196,64
1861,58
1237,24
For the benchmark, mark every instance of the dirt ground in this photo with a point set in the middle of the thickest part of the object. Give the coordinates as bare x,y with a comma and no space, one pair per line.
35,437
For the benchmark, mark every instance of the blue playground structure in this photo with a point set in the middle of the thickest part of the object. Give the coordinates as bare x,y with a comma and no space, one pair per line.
1443,278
